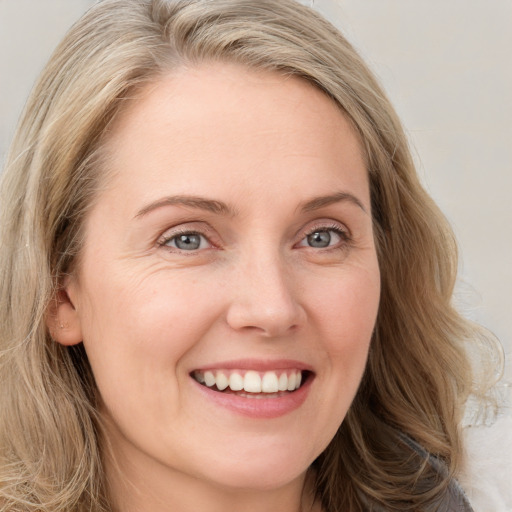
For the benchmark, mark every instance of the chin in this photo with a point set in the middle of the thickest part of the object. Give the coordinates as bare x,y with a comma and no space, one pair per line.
249,477
260,469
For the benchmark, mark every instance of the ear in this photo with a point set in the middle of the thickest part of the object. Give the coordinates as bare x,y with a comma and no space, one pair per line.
63,320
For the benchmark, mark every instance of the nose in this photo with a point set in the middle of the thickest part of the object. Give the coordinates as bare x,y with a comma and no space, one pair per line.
265,298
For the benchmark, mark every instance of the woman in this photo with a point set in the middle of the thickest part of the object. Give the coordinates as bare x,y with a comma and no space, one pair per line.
223,285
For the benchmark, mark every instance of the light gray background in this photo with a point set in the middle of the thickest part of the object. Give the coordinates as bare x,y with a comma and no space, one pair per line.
447,67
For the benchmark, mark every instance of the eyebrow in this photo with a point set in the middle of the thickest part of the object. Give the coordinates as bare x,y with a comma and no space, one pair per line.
221,208
200,203
322,201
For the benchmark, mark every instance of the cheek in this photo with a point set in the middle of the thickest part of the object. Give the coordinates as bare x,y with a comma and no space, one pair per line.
138,335
349,308
346,317
133,327
343,313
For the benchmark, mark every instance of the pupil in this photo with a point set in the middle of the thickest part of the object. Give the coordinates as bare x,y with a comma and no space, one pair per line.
188,242
319,239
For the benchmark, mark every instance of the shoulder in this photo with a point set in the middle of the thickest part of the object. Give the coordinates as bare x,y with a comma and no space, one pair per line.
454,499
457,500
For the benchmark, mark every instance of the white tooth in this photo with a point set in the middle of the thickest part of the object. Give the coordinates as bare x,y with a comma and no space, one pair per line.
222,381
209,379
291,381
236,382
269,383
199,377
252,382
298,380
283,382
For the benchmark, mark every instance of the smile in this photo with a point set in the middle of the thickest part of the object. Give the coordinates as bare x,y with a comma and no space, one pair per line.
255,389
250,383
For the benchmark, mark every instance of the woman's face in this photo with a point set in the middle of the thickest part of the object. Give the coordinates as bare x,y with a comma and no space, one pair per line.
232,247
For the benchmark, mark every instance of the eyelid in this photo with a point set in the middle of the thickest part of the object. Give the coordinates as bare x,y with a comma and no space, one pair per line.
209,234
173,236
187,229
326,225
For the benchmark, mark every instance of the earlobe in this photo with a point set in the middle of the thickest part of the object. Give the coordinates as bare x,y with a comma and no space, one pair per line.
63,320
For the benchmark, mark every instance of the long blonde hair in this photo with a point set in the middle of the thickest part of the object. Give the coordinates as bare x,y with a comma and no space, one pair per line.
418,376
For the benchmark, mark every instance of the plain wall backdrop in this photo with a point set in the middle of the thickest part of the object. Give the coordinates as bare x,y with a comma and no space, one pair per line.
446,66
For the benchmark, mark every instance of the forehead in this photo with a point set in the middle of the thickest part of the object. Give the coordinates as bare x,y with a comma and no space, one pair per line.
232,93
230,119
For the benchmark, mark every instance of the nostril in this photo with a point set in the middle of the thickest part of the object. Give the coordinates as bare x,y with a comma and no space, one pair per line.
265,305
266,324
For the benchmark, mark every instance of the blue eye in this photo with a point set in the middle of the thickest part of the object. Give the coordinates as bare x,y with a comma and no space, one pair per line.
187,242
323,238
319,239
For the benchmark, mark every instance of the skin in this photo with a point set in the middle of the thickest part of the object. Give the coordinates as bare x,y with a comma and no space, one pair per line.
150,313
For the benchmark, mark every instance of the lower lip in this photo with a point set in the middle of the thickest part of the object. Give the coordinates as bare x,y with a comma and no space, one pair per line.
264,408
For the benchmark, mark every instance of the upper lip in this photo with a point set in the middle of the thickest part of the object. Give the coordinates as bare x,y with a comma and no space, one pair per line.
259,365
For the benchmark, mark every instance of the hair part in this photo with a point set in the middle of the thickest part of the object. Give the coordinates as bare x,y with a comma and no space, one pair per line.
418,375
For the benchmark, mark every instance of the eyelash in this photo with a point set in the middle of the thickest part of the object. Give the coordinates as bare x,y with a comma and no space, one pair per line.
336,228
165,239
342,233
